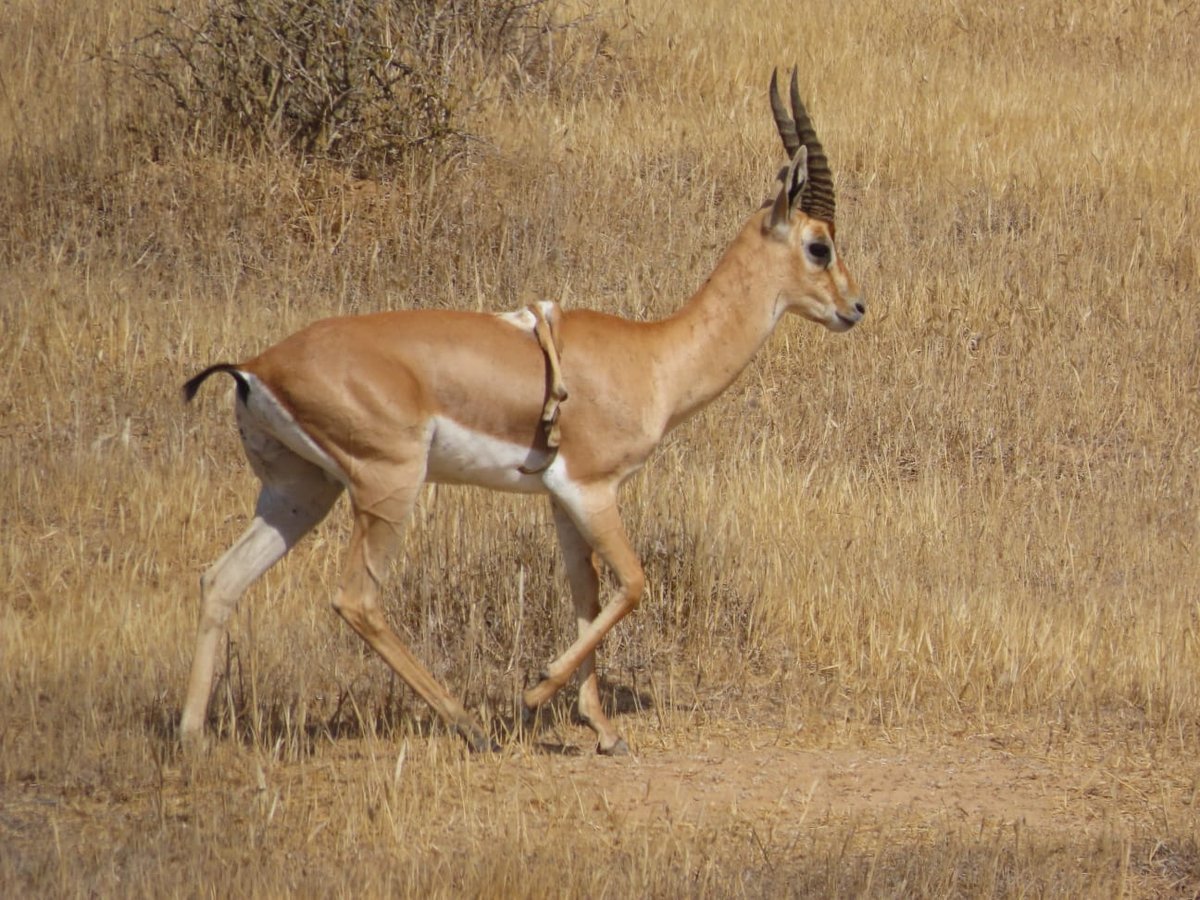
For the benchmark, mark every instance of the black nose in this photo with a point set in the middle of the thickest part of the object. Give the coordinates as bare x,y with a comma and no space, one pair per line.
860,308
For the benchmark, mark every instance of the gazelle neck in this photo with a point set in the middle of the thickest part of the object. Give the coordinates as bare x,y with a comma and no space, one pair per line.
717,332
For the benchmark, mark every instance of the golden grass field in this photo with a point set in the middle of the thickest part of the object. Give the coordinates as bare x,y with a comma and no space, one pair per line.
923,605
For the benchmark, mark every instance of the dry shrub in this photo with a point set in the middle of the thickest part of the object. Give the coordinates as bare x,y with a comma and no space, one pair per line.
353,80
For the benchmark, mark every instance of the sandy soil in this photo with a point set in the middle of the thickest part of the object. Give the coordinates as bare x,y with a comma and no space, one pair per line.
999,779
718,777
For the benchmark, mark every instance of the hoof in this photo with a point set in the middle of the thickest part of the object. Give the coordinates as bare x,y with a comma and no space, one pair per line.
478,741
523,724
620,748
540,693
526,716
193,743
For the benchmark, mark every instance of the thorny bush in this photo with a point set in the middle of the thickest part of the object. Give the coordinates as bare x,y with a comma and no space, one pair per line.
358,81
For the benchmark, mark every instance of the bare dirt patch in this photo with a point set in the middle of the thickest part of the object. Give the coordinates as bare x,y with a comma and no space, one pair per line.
980,778
712,808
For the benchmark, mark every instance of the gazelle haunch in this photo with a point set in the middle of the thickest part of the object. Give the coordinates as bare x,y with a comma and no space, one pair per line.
379,404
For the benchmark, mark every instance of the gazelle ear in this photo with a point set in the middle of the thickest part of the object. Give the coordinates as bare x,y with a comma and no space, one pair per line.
793,178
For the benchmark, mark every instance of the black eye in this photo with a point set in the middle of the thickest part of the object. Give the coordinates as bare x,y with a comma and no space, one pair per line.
819,253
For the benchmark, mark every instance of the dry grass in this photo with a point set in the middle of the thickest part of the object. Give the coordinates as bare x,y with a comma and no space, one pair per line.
974,519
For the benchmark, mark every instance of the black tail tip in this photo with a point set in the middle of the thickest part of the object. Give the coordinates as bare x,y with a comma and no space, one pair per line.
192,385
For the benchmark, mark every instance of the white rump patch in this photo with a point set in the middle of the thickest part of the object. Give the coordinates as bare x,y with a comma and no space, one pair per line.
264,413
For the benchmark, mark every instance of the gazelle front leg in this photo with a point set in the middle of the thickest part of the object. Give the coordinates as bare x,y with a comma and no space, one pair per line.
594,519
585,594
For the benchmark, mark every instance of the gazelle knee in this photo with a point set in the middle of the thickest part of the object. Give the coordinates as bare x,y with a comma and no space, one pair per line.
362,617
345,608
634,587
216,605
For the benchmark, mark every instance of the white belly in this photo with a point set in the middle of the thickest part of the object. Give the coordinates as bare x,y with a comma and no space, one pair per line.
458,455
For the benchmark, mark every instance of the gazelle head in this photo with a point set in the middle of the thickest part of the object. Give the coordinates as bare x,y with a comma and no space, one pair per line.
819,286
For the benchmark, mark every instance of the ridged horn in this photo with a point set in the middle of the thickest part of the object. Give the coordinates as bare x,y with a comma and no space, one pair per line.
783,121
816,195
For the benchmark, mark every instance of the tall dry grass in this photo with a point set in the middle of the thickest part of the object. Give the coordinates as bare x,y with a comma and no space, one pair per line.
977,511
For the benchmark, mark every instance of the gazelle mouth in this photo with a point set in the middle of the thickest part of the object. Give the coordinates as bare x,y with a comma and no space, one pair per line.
846,321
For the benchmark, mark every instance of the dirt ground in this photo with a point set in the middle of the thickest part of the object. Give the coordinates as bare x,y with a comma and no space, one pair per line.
974,778
707,783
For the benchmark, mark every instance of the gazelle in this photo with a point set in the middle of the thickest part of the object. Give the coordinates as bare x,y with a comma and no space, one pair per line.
379,404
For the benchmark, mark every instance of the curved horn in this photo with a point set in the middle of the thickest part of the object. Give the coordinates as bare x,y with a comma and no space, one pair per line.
816,197
783,121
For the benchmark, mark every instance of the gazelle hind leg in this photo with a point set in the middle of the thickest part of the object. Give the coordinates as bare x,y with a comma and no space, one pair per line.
594,514
585,595
295,496
372,545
